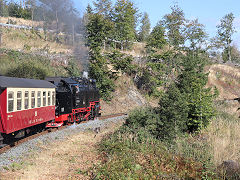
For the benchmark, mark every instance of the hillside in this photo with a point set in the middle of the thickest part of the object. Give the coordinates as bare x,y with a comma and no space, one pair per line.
226,79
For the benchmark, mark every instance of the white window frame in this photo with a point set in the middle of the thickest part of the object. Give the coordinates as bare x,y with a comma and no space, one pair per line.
12,99
30,90
21,100
26,98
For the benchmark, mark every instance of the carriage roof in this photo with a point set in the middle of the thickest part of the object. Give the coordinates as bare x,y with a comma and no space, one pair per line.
13,82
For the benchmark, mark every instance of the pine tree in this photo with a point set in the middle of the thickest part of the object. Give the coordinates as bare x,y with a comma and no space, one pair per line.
191,83
98,28
145,28
125,19
156,38
173,113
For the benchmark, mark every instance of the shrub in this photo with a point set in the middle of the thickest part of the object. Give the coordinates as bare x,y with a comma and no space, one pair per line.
165,122
27,70
145,118
121,62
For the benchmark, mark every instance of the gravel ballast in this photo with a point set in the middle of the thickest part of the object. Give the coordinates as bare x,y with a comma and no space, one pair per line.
16,154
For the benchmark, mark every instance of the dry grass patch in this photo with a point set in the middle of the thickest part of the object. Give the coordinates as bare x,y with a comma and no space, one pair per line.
226,79
223,133
69,159
21,21
28,40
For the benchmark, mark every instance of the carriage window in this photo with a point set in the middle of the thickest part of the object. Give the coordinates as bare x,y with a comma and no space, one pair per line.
53,98
33,99
44,98
39,98
26,100
19,100
10,101
49,98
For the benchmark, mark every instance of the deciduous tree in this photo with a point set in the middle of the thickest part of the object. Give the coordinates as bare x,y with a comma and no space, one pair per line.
103,7
225,33
174,24
195,34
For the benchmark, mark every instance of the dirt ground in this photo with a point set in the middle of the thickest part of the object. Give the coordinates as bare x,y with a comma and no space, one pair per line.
69,159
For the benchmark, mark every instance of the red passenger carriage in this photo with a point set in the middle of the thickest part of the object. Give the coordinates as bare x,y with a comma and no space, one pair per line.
25,104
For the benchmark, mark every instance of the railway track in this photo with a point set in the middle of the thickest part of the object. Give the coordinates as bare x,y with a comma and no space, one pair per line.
20,141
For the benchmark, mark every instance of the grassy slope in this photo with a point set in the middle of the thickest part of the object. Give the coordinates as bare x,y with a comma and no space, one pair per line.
31,41
11,59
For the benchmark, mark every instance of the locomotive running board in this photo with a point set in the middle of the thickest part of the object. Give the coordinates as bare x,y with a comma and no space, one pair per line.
56,125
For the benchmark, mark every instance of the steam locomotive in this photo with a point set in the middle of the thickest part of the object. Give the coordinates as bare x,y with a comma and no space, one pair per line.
29,105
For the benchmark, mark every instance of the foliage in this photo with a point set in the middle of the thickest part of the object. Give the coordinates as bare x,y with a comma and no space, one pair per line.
138,155
174,24
225,33
121,62
144,28
98,29
103,7
165,122
125,18
3,8
11,60
153,77
27,70
98,70
15,10
235,54
143,118
195,34
173,111
157,38
191,83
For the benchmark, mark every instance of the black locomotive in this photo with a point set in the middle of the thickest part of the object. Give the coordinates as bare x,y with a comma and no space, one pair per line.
76,97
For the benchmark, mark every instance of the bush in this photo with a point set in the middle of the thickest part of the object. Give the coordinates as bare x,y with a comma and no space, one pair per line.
27,70
145,118
12,59
121,62
165,122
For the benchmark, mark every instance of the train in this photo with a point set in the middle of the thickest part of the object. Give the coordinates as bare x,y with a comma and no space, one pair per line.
28,105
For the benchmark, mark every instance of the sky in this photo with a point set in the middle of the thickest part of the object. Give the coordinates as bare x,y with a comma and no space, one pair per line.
209,12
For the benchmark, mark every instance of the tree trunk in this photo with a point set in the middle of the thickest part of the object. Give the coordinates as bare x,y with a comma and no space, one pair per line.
0,37
57,25
32,16
229,53
73,34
